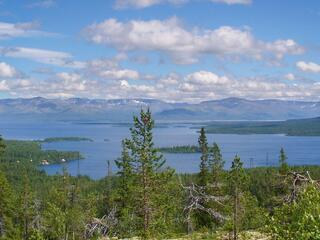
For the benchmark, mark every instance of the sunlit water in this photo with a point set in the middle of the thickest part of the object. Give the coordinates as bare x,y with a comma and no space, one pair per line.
254,150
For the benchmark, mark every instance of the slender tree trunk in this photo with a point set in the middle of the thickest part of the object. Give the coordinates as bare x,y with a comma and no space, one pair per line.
235,215
145,203
190,225
26,228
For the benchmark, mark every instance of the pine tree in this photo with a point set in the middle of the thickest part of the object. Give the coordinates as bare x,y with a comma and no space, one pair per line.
125,174
284,167
216,164
26,202
125,194
6,209
148,163
238,183
2,149
203,145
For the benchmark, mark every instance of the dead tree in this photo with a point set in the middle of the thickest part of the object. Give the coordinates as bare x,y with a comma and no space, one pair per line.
299,181
101,226
197,199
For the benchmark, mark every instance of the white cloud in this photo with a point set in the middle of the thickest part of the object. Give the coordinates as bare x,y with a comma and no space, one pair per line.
7,71
123,4
230,2
4,86
193,87
120,74
186,46
25,29
308,66
170,79
290,76
206,78
42,56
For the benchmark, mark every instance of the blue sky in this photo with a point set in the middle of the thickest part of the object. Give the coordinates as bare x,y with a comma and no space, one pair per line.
174,50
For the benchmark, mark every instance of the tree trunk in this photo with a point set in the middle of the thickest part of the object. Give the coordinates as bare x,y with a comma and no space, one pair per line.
235,215
145,203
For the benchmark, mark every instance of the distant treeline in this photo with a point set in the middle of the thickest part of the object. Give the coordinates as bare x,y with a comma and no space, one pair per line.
31,151
301,127
181,149
65,139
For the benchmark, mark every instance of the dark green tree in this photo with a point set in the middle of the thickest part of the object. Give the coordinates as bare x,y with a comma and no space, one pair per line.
6,210
216,164
238,184
125,193
283,165
149,172
26,207
2,149
203,145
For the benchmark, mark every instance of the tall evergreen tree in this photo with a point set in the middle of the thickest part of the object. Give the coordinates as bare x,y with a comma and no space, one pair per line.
6,209
125,193
203,145
2,149
283,165
125,173
238,183
216,164
148,163
26,209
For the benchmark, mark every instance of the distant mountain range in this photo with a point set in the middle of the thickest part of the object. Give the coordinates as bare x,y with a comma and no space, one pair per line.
121,110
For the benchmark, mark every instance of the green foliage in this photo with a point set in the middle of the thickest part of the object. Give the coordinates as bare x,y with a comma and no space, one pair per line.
203,145
2,148
64,139
30,151
300,127
6,209
140,157
284,167
300,220
216,164
181,149
149,197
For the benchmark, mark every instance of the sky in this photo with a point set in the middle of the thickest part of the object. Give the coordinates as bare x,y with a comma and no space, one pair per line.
173,50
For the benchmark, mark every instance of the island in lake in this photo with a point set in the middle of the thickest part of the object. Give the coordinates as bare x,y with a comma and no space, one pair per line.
66,139
32,152
180,149
296,127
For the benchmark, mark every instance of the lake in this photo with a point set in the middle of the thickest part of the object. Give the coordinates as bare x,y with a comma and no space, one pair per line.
254,150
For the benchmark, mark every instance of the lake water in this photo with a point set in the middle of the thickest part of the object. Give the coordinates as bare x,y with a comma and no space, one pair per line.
254,150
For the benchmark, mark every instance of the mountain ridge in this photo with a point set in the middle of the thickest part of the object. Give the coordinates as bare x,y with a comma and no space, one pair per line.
115,110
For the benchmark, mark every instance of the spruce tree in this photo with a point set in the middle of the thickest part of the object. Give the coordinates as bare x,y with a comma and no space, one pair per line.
203,145
125,174
284,167
238,183
125,193
216,164
6,209
2,149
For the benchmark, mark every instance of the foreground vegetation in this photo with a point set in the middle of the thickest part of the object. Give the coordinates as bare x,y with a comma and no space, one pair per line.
148,200
300,127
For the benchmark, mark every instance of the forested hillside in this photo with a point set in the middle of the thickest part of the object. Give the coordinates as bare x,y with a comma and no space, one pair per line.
145,199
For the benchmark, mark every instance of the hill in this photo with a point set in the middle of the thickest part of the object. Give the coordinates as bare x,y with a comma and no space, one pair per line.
297,127
121,110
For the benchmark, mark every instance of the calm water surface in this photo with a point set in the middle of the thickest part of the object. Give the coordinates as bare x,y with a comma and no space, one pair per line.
254,150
